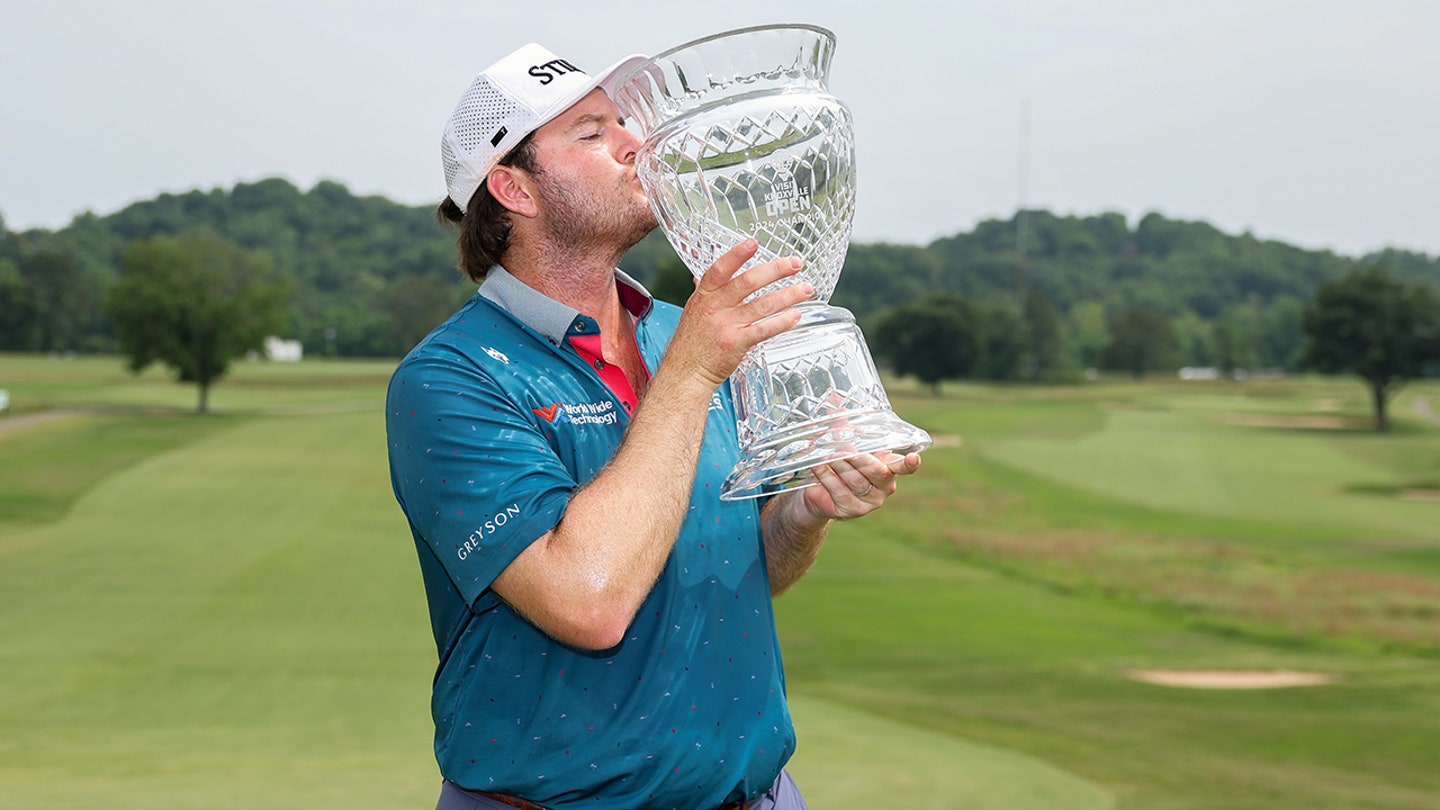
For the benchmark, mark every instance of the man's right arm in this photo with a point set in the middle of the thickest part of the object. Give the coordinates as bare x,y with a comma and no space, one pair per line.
583,581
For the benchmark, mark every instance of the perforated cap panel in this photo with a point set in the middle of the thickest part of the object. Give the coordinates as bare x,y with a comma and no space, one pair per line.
477,135
506,102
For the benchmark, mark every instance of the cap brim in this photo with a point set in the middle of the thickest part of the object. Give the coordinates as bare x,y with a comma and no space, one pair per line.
605,80
611,77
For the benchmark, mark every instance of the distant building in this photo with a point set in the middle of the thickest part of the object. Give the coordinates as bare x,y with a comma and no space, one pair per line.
283,351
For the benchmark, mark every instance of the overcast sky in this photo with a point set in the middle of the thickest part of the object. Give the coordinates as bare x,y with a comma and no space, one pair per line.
1316,122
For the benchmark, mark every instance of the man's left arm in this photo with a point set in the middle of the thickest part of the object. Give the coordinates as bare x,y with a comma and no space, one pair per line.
795,523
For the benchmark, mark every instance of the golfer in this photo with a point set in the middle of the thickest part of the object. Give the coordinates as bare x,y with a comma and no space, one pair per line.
603,620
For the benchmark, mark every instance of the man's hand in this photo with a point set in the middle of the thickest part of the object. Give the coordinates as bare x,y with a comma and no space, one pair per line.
858,486
719,325
795,523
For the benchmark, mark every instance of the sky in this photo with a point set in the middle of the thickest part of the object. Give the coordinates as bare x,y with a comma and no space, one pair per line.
1314,122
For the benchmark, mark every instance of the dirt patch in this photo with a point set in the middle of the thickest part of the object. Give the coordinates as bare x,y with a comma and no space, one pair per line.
1229,679
9,423
947,440
1327,405
1310,422
1426,495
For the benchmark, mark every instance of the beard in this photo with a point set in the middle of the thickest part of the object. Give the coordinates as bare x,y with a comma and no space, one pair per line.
583,216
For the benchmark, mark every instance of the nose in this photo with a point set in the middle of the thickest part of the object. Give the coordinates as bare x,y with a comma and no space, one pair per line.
627,145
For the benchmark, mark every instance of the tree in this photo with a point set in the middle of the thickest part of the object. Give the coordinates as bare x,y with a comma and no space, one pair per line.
1195,339
59,297
1380,329
936,338
1238,338
417,304
1283,333
1002,342
193,303
673,281
1043,328
1141,339
1087,333
17,309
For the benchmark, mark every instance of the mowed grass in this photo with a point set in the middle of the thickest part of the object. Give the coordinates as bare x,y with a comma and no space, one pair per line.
1235,457
236,623
229,614
38,383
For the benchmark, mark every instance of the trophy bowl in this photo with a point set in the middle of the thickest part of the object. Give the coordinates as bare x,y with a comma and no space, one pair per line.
742,139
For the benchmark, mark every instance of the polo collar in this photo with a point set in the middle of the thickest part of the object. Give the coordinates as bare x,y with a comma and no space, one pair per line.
549,317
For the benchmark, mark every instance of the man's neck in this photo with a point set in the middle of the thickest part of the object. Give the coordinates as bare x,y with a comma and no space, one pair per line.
584,283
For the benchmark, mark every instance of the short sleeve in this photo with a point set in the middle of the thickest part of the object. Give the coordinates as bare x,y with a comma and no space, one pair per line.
474,475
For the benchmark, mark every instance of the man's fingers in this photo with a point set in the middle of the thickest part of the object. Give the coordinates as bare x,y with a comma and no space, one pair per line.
724,271
768,327
776,301
898,464
724,268
763,275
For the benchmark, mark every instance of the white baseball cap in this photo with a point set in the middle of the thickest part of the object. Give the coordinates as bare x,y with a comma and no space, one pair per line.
507,101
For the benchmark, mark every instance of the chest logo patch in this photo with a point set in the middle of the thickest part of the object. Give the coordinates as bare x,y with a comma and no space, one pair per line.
581,413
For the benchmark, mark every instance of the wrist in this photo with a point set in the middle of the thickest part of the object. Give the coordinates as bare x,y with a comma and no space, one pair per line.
804,515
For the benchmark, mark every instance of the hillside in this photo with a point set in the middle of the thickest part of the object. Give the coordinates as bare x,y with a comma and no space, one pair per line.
370,276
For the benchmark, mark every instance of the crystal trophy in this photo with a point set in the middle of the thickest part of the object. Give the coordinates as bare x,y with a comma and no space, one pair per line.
742,139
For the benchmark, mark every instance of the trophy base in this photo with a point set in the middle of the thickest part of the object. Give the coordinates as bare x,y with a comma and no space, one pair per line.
785,462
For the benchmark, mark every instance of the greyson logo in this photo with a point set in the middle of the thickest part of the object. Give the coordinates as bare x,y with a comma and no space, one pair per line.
476,539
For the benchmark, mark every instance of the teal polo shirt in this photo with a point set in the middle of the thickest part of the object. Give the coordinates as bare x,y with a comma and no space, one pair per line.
493,421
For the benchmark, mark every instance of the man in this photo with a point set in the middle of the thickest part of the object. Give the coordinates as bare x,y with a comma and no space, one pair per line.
603,619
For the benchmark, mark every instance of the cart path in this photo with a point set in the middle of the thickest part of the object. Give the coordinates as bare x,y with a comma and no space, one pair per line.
8,423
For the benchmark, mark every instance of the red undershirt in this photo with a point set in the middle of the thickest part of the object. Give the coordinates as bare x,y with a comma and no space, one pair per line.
589,348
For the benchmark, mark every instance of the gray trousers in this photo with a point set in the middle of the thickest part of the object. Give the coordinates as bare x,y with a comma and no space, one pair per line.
783,795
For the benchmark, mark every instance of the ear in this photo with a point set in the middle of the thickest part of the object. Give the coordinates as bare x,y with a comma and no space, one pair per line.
514,189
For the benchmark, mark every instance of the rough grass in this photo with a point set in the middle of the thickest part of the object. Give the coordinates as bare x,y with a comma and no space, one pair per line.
1276,531
889,622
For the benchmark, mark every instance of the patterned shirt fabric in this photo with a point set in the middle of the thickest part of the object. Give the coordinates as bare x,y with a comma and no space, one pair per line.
493,421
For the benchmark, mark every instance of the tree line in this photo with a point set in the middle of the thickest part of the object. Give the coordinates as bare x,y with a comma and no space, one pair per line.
1038,296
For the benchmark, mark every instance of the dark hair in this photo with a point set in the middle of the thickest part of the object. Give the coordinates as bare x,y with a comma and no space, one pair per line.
485,225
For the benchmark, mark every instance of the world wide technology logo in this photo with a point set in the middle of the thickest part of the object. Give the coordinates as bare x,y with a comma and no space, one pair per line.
581,413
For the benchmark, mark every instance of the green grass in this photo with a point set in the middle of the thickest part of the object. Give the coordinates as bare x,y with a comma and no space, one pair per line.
50,465
38,383
1198,461
855,759
980,655
237,623
226,612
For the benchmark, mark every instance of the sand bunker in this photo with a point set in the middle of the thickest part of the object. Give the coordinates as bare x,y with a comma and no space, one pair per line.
1229,679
